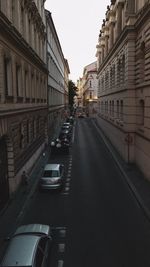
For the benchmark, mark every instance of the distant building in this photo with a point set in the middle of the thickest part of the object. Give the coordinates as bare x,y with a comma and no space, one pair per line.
123,59
66,84
23,90
90,85
79,97
58,72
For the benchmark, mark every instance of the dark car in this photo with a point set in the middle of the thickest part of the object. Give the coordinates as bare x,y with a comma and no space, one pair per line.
65,134
70,119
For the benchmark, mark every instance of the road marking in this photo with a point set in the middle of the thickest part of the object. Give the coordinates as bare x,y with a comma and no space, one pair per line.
67,184
58,227
61,248
67,188
62,233
65,193
60,263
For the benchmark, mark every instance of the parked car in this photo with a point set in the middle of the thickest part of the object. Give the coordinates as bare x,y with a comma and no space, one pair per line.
65,134
70,119
67,124
66,127
52,177
60,146
29,246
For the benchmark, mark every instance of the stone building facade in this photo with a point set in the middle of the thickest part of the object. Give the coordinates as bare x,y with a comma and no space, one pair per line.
80,92
123,57
23,90
90,85
58,71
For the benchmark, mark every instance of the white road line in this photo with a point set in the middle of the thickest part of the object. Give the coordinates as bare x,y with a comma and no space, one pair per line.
60,263
67,188
58,227
67,184
61,248
65,193
62,233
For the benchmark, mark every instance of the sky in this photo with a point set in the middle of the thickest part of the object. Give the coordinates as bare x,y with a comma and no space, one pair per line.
78,23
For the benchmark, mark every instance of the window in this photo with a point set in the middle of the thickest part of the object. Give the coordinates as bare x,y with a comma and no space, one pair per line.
28,132
7,76
117,112
22,21
21,136
121,110
26,83
141,112
142,61
113,108
18,80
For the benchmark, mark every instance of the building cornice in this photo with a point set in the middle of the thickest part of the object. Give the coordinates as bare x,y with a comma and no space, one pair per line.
32,9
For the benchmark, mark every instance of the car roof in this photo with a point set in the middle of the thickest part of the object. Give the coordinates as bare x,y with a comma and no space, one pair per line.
49,167
39,229
21,251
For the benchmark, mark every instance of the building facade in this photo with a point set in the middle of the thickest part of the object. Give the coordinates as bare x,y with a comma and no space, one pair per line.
66,85
57,79
80,92
90,85
23,90
123,59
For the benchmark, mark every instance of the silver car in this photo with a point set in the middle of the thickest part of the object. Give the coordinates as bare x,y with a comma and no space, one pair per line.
29,246
52,177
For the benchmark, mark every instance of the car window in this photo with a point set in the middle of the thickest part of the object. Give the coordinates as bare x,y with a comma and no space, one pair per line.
51,173
61,169
40,255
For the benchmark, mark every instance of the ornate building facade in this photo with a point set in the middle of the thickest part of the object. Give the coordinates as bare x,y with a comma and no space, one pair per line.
23,90
58,69
90,85
123,57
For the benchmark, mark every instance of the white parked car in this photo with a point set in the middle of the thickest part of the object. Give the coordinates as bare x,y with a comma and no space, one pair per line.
52,177
29,246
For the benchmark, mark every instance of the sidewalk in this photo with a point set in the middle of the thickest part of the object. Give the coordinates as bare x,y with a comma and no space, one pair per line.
139,186
11,214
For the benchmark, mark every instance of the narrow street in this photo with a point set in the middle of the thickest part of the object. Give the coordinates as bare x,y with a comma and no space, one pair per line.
95,219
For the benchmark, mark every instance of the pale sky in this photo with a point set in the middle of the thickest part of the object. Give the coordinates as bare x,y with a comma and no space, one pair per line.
78,23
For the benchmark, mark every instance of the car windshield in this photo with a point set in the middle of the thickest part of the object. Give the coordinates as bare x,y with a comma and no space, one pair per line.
51,173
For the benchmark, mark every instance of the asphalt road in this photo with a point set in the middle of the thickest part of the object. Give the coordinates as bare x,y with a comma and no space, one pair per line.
96,220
